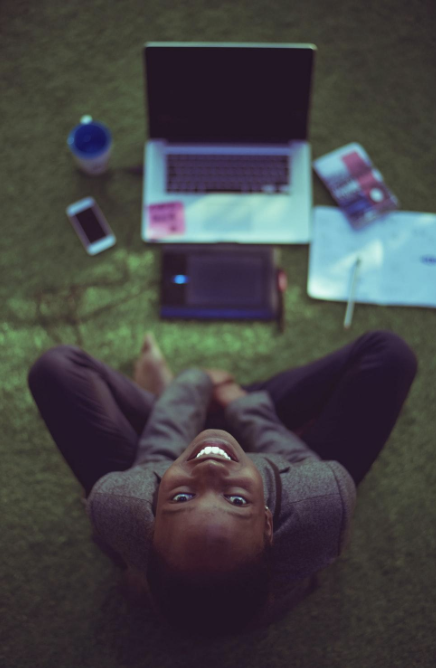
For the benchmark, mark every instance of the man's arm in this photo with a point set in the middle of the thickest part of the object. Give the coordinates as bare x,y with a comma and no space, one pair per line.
254,421
178,415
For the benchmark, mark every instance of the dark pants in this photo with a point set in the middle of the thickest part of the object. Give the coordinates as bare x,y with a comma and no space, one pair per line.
343,406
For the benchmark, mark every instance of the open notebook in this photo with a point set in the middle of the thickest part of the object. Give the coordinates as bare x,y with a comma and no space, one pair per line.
398,258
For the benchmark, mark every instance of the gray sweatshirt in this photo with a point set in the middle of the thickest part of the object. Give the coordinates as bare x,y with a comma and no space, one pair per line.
312,501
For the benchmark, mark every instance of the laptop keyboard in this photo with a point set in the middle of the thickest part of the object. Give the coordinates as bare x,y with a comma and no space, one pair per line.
228,173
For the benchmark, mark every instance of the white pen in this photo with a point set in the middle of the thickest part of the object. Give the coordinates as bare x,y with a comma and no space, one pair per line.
350,304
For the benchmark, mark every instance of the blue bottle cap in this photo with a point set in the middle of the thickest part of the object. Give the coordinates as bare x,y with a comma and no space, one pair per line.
89,139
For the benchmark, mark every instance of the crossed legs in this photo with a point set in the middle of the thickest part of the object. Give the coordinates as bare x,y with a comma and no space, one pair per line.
344,405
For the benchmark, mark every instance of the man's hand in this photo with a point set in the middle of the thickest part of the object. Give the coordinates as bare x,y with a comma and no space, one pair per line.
225,389
219,376
225,394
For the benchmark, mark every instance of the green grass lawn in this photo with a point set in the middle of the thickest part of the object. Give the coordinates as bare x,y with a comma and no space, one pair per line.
61,604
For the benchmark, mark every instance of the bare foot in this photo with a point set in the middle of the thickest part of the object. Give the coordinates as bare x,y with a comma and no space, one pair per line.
151,370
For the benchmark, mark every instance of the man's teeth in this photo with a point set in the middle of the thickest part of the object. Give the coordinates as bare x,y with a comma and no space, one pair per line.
213,450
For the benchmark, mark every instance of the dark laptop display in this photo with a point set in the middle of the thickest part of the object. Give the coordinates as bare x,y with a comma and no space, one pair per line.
232,94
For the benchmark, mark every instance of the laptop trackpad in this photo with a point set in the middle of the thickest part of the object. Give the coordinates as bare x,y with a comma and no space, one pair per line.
231,214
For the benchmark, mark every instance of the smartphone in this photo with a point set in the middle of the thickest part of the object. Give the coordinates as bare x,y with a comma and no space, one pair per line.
91,226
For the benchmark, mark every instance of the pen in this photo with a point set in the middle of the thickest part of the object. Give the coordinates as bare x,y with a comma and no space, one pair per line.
350,304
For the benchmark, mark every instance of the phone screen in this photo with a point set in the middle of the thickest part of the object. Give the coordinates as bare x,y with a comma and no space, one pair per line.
91,225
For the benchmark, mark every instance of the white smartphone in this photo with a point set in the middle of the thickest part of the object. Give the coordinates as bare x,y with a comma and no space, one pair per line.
91,226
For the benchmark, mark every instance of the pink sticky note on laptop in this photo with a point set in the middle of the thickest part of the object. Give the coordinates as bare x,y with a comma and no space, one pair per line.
165,219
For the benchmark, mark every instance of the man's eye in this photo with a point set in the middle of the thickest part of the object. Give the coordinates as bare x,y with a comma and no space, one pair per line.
180,494
231,496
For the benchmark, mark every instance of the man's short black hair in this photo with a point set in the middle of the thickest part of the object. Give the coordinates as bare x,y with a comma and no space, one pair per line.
210,605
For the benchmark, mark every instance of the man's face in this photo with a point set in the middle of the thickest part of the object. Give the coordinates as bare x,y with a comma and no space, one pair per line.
211,511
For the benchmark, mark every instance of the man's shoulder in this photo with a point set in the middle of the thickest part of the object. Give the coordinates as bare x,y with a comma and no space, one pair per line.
139,481
317,500
304,477
121,510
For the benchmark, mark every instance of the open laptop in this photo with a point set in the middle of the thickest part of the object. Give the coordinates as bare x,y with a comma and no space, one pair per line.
227,157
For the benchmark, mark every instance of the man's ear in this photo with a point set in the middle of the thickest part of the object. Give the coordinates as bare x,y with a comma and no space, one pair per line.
269,529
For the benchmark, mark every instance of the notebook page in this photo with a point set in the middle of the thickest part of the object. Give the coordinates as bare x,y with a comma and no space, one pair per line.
398,254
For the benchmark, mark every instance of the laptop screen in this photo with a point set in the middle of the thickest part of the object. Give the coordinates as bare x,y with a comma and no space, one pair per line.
226,94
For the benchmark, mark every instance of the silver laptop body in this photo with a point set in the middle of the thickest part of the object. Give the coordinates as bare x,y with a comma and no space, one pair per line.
227,149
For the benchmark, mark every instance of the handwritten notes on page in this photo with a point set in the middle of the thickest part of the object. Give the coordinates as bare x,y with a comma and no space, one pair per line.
398,258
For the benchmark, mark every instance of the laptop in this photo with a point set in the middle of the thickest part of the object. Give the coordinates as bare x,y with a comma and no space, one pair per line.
228,156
